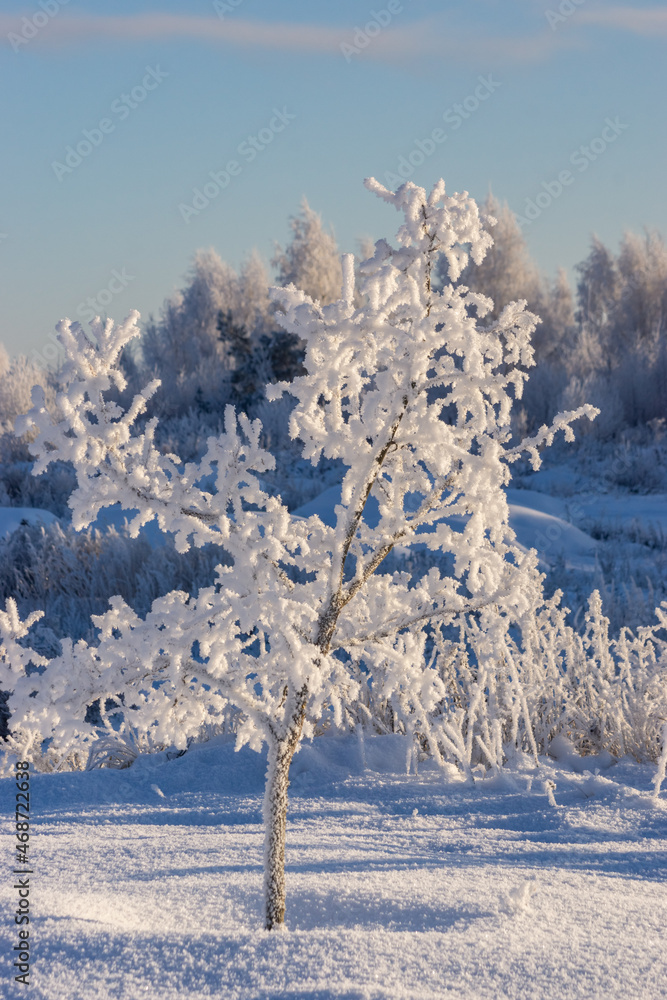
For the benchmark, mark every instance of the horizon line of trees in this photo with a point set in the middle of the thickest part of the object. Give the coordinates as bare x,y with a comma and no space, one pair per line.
217,340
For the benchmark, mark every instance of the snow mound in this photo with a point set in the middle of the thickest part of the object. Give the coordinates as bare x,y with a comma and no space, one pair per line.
12,518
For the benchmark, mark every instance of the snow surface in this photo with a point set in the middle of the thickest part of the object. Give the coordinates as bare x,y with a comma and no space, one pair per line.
148,881
622,511
12,518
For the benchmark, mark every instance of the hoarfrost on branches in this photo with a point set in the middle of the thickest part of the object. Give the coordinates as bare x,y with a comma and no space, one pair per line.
413,393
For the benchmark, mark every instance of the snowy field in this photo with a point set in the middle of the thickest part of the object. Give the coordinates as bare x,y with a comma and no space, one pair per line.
148,880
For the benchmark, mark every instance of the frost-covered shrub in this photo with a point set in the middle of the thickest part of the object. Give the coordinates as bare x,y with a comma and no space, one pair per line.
506,273
19,488
543,679
17,378
305,623
615,690
70,574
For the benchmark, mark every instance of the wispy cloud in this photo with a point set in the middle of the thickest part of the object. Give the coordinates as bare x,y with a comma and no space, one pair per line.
651,21
399,42
69,29
396,43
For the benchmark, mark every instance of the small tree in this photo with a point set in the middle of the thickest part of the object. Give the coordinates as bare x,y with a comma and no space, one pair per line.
281,635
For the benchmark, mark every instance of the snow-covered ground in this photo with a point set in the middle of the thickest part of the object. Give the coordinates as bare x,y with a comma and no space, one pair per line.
12,518
147,881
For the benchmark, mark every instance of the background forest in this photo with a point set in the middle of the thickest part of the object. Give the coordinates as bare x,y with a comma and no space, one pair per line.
217,341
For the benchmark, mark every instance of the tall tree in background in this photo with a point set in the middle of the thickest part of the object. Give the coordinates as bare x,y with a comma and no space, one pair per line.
205,333
508,274
254,309
184,343
642,269
310,261
620,358
598,292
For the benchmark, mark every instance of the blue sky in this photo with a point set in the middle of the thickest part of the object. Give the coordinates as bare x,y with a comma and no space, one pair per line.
110,227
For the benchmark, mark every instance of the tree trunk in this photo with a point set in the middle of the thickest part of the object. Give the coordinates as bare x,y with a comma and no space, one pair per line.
281,751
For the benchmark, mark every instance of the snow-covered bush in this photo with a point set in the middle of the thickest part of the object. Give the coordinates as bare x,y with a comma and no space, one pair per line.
305,624
69,575
616,690
17,378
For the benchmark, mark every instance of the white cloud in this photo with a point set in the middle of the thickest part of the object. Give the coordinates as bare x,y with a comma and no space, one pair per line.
399,42
636,20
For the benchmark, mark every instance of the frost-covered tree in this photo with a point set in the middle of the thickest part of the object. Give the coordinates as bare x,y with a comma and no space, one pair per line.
187,332
254,310
554,346
206,332
619,356
642,313
555,334
598,287
305,623
310,261
17,377
184,344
